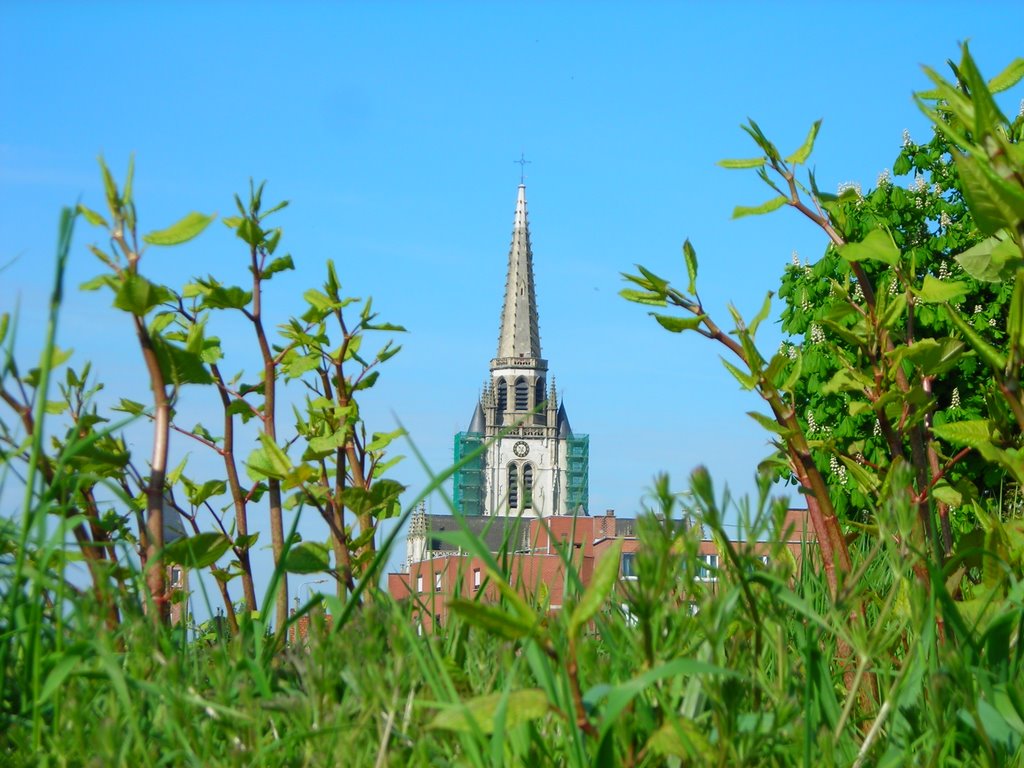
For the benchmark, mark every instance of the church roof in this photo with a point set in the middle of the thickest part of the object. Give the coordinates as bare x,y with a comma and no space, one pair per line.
477,425
519,335
496,532
564,430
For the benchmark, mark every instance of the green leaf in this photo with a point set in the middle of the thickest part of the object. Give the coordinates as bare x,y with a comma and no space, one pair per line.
762,314
768,423
878,245
129,180
679,737
972,433
992,356
198,551
110,188
605,577
992,260
381,440
772,205
892,313
866,480
318,300
847,380
1008,78
753,162
280,264
308,557
492,618
325,445
994,204
179,366
1015,318
268,461
181,232
947,494
197,494
933,356
92,217
659,284
62,668
936,291
643,297
232,297
690,257
986,114
137,295
481,714
678,324
618,697
747,380
801,155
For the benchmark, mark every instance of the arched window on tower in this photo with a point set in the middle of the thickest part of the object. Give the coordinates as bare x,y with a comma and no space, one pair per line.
513,486
527,486
538,397
522,395
502,399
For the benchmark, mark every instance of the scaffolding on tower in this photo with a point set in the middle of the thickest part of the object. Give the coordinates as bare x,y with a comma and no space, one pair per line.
468,480
578,474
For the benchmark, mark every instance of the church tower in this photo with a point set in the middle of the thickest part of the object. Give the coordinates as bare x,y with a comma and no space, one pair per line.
533,464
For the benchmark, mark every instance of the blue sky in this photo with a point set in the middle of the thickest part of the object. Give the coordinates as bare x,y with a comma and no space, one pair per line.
392,128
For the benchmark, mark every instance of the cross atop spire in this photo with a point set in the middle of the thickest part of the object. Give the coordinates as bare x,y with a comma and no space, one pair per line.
519,336
522,162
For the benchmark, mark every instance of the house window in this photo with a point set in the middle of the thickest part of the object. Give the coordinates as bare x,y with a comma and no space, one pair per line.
437,582
527,486
522,395
176,577
708,570
419,583
476,578
629,565
513,486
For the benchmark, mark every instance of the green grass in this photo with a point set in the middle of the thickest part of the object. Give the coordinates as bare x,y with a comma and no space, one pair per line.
738,682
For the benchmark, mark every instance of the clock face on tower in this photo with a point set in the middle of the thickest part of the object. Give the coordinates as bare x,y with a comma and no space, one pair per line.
520,449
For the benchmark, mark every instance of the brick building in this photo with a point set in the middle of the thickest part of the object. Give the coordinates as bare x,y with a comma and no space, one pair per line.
439,569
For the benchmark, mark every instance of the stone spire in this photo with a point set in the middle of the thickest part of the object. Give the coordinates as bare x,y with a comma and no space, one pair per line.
519,337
